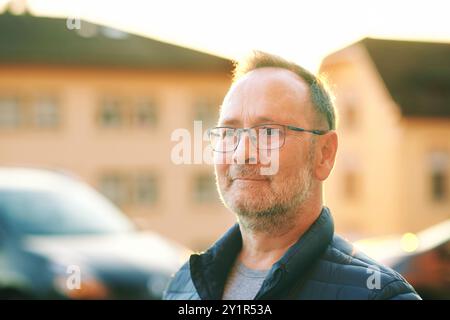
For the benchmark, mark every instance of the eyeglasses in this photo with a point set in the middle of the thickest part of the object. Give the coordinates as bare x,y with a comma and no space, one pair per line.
262,136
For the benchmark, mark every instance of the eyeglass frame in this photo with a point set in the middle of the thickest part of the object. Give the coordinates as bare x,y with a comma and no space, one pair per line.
284,126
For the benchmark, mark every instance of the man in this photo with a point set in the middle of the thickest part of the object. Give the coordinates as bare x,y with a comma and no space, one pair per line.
283,246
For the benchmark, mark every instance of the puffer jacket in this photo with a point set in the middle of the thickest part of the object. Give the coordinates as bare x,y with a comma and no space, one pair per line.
320,265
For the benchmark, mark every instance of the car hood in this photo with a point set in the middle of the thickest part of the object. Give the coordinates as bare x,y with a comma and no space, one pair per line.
135,250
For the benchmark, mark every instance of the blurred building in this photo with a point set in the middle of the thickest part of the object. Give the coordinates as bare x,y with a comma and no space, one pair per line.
102,104
392,172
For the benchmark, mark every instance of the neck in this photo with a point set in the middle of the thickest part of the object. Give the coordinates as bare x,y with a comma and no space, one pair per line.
260,250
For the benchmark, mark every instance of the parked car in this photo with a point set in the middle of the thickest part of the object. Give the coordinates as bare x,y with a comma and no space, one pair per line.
422,258
61,239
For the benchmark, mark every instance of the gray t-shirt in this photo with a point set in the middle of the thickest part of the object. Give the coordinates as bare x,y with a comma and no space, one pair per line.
243,283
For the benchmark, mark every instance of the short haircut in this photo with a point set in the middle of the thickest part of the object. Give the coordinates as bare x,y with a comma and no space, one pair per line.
320,97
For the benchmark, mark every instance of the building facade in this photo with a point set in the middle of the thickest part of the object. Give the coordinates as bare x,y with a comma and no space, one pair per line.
392,172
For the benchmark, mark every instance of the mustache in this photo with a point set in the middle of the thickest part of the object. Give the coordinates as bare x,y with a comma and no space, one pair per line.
246,171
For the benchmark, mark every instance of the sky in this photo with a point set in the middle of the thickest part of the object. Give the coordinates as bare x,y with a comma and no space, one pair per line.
302,31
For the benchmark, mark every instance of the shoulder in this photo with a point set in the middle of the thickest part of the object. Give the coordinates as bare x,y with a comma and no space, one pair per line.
181,286
350,274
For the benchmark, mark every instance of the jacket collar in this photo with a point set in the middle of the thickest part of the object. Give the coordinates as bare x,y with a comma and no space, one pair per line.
209,270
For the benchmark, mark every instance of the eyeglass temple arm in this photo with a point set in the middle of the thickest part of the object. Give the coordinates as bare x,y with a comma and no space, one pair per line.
318,132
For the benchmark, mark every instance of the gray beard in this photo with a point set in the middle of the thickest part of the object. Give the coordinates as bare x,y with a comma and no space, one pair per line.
278,219
281,217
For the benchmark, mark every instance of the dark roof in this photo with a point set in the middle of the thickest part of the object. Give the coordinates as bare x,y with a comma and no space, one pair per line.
26,39
417,74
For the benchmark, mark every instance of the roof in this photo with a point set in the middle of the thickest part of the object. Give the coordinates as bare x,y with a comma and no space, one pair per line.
26,39
416,74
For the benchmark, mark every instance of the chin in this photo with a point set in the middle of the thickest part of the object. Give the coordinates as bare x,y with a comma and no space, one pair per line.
248,203
250,188
243,196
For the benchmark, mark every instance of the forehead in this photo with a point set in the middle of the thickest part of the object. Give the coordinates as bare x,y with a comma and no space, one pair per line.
267,95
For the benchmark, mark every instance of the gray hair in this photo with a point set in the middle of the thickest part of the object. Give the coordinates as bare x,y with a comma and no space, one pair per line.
320,97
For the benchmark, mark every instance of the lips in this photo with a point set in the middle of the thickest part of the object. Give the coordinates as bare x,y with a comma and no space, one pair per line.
246,173
249,178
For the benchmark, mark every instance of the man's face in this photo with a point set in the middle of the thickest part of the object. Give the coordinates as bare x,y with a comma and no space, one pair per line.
267,95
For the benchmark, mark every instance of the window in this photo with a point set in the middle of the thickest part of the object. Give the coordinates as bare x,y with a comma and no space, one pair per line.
111,114
30,111
206,109
351,177
128,111
145,189
204,188
438,162
10,113
348,106
351,185
46,113
350,116
145,113
125,189
115,188
438,181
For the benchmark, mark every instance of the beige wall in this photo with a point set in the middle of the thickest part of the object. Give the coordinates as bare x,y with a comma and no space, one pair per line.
81,146
422,138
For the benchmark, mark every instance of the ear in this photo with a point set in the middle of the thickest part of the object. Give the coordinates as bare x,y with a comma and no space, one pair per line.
325,155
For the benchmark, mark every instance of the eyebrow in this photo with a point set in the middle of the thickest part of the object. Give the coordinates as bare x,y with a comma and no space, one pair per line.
235,122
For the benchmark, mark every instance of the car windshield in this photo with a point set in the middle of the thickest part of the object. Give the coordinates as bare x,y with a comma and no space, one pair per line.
71,210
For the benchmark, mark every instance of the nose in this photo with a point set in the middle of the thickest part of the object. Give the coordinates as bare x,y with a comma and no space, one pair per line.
245,152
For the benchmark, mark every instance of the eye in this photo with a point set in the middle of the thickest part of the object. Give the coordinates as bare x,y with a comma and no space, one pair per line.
268,131
228,132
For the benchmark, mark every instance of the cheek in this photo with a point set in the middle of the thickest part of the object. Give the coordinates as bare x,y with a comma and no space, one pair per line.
220,158
221,171
292,158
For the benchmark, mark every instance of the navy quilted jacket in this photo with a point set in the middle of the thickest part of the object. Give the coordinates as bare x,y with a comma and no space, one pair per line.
320,265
